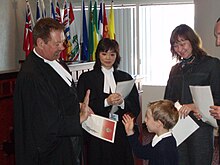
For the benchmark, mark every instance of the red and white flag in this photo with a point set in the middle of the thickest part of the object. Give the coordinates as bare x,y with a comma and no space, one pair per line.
74,49
28,39
57,12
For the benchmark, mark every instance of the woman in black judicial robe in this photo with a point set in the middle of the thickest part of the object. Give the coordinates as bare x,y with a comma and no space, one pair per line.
100,152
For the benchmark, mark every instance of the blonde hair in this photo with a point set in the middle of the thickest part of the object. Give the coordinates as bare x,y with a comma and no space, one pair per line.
165,111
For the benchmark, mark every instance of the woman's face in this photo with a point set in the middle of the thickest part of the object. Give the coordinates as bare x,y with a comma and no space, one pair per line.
183,48
107,59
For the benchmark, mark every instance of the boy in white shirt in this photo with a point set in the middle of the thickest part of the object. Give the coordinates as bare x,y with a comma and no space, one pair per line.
161,116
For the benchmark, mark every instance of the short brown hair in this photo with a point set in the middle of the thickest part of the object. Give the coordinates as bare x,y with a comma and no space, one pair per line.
43,27
165,111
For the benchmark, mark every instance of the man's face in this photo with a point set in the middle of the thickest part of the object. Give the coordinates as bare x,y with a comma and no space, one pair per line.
52,49
217,33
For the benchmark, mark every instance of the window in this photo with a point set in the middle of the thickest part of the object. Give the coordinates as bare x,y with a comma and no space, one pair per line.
156,25
143,33
125,28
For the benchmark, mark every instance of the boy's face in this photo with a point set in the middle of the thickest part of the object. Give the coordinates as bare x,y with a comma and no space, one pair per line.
150,122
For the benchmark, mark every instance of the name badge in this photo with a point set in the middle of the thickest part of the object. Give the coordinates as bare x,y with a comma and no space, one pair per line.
113,116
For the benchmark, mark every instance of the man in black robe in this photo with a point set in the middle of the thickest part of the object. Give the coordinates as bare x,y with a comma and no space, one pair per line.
47,113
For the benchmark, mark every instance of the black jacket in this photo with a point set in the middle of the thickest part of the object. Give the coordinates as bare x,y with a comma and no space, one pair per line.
204,71
46,116
163,153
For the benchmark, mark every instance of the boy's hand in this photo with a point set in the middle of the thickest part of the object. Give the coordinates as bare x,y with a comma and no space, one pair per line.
128,122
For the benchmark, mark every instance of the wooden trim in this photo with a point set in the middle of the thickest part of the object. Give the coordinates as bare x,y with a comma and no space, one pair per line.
7,84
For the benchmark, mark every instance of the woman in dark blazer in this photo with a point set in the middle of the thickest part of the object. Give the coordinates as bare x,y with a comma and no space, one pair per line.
102,82
195,68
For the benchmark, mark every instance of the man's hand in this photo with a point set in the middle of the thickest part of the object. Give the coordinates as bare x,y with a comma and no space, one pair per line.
215,111
85,110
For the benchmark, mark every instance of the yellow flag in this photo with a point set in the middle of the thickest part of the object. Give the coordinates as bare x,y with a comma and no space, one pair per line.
111,23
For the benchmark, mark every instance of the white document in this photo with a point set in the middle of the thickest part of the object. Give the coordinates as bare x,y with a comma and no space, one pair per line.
124,88
184,127
100,127
202,98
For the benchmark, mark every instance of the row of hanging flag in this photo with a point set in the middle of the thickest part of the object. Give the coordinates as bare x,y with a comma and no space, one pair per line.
99,26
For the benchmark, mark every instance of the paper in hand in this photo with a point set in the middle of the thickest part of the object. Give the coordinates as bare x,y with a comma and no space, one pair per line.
124,88
100,127
184,127
202,98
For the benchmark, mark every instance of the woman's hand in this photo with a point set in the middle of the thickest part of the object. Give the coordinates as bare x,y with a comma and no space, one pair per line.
115,99
184,111
187,108
85,110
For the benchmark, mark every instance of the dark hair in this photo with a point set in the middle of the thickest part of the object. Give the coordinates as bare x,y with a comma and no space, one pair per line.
104,45
43,27
218,20
165,111
187,33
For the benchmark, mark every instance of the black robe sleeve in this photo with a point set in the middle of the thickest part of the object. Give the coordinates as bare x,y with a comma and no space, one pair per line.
46,114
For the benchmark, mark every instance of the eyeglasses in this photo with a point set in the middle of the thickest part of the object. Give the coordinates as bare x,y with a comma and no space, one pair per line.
180,43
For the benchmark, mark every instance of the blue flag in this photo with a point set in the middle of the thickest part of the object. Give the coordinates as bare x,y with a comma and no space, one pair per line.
38,13
52,11
85,53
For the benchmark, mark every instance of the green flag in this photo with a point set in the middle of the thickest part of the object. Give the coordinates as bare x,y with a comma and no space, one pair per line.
95,30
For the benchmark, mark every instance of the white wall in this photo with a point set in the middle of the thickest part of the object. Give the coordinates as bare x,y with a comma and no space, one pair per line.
8,35
206,14
150,94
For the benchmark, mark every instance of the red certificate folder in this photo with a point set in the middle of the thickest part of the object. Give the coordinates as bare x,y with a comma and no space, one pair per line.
101,127
108,129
